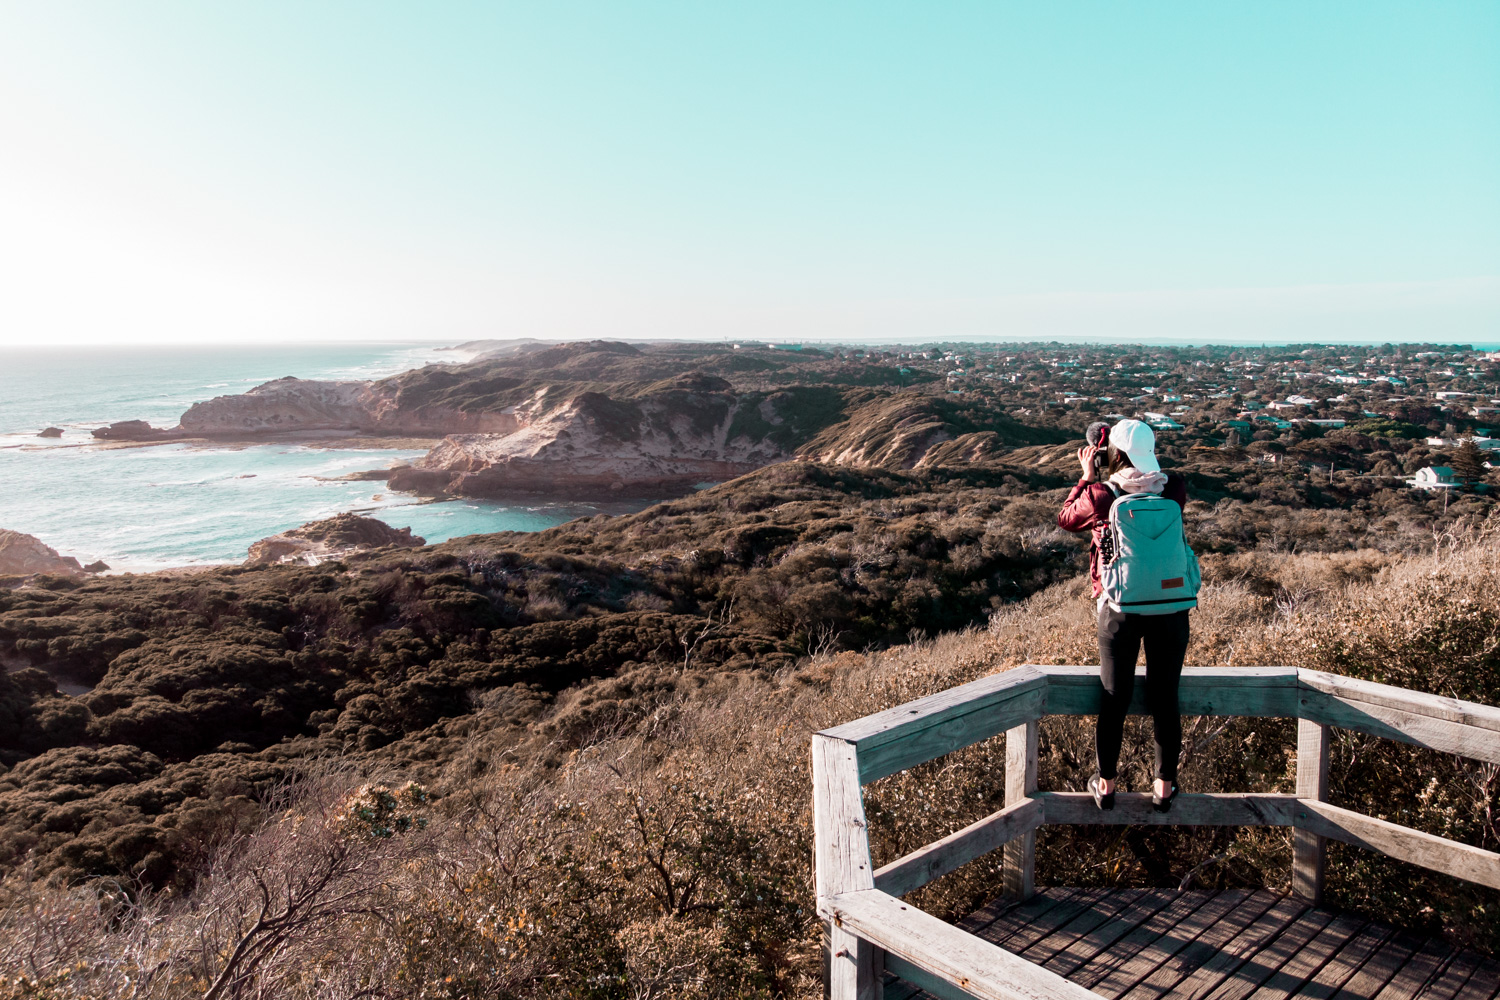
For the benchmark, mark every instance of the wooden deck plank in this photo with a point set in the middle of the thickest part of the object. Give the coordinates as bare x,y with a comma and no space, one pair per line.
1220,950
1381,968
1449,982
1004,916
994,910
1042,951
1014,912
1312,956
1346,963
1119,940
1428,962
1019,938
1168,931
1188,945
1217,945
1488,974
1124,931
1269,960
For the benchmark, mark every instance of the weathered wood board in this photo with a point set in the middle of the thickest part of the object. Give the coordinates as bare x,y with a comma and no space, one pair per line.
1396,841
959,848
1188,809
1267,692
975,966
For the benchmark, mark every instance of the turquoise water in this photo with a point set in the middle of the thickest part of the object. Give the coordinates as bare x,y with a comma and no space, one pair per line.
179,504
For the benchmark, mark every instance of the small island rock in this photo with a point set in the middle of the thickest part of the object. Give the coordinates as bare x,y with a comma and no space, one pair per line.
135,430
51,432
333,538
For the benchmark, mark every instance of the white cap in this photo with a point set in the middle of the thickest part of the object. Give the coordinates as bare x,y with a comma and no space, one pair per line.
1138,442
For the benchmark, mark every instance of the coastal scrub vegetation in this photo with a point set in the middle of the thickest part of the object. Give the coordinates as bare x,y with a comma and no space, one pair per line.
664,848
573,763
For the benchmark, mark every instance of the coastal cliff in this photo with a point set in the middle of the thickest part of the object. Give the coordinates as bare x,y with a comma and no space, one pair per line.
689,430
596,418
586,418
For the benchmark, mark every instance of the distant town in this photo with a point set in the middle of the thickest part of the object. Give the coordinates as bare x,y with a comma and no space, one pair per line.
1426,414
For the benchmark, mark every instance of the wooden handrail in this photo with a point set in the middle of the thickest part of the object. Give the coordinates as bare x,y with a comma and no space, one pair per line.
870,928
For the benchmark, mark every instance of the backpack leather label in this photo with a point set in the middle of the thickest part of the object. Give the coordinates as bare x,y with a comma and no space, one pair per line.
1176,581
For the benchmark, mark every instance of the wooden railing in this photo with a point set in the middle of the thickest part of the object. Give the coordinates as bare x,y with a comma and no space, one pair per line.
870,928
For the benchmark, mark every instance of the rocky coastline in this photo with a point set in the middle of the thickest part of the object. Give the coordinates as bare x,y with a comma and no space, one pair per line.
600,419
579,420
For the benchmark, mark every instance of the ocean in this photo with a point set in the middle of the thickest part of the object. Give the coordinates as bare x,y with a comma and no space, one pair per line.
148,508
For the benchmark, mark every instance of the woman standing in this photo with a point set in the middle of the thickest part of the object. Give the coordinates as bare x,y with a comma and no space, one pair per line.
1132,468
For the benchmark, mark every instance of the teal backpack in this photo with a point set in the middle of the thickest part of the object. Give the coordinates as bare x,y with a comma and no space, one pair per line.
1146,566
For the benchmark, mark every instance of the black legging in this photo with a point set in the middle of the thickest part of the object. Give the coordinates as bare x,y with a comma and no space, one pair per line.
1120,637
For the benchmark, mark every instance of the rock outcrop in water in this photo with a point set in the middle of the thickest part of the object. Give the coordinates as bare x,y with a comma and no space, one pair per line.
334,538
135,430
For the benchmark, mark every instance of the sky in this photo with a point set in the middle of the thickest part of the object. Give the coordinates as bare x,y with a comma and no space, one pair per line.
320,171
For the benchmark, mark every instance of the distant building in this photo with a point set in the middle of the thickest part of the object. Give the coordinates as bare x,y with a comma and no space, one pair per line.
1328,423
1434,477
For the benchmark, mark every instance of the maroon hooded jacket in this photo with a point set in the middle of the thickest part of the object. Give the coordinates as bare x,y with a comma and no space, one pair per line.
1087,509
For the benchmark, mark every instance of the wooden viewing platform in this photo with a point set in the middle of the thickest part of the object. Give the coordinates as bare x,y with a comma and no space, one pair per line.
1078,944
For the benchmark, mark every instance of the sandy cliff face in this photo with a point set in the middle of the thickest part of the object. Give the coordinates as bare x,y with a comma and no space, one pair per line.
589,442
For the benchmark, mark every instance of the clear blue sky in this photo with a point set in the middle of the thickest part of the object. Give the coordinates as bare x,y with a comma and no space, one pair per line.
282,171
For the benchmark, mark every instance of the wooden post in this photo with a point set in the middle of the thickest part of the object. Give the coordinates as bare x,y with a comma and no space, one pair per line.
841,847
1020,782
1309,849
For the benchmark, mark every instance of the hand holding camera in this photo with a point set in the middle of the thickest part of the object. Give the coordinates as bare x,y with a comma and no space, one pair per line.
1090,455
